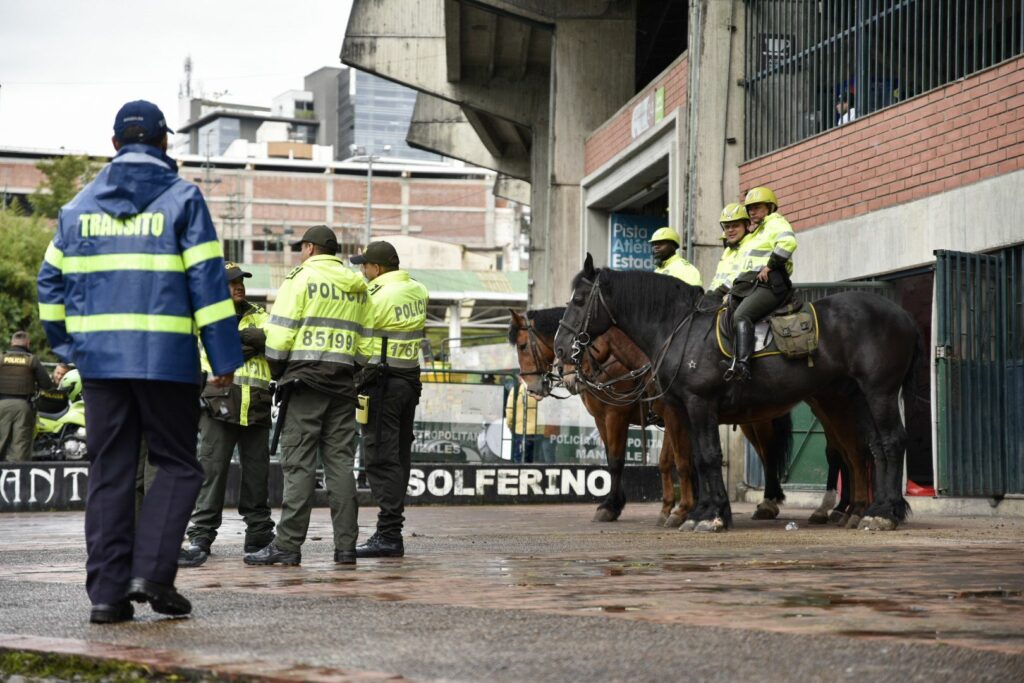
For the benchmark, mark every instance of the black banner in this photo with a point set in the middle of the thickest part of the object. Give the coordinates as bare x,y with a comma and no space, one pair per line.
26,487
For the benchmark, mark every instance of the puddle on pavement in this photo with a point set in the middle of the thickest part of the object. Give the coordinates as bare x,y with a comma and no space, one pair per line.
610,608
829,601
986,593
389,597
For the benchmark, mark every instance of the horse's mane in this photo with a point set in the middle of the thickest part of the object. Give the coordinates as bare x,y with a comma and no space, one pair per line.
545,321
643,292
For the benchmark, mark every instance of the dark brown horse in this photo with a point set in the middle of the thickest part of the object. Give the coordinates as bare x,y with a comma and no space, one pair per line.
865,355
612,356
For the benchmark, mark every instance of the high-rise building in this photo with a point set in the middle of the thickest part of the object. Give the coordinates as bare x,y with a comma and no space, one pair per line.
374,112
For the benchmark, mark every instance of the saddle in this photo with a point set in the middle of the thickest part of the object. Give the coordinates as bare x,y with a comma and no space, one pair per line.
790,330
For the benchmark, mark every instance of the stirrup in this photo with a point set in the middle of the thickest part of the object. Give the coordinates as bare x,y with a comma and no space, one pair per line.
730,371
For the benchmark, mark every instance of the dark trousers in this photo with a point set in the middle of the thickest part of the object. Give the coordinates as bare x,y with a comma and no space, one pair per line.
388,461
119,413
217,443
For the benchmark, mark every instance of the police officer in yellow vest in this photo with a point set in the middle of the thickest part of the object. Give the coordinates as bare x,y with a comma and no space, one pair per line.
664,244
237,415
734,221
316,325
21,375
766,256
399,313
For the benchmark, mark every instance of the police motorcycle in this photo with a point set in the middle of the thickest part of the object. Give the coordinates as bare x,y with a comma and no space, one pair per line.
60,422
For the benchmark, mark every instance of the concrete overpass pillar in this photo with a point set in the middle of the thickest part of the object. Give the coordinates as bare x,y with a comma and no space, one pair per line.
592,74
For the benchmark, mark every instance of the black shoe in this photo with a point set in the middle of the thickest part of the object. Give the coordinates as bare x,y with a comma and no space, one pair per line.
193,556
163,599
112,614
260,542
271,554
344,556
378,546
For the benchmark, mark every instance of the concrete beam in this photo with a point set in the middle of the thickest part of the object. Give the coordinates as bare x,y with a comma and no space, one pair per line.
453,48
512,189
407,42
442,127
552,10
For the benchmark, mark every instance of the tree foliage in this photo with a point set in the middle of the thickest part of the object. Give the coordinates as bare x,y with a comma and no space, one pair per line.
64,177
23,242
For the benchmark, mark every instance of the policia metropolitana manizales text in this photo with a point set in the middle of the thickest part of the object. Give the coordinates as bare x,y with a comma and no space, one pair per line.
238,415
390,377
134,269
316,325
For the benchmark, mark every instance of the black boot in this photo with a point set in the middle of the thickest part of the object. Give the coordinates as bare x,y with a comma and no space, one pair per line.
743,339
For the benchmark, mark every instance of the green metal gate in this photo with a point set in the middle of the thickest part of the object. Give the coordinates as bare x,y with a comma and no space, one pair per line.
980,373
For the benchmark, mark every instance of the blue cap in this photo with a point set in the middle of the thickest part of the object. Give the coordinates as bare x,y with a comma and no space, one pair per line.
140,121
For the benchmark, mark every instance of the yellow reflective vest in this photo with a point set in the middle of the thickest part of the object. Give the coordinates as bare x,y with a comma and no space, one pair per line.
248,401
730,265
774,236
521,413
399,306
321,314
678,267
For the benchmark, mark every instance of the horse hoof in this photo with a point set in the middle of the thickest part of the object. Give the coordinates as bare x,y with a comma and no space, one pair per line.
766,509
854,522
674,520
837,517
817,518
842,520
688,525
663,519
877,524
710,526
605,515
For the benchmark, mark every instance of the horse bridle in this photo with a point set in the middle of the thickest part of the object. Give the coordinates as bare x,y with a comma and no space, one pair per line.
581,339
547,378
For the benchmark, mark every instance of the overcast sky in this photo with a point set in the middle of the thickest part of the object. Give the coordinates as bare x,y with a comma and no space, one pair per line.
66,66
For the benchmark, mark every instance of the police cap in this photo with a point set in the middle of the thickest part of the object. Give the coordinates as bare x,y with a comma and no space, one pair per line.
380,253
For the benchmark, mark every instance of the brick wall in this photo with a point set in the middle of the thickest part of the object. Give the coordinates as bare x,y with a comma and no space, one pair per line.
965,132
615,134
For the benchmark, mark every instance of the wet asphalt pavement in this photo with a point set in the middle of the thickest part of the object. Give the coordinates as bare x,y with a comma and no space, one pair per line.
542,593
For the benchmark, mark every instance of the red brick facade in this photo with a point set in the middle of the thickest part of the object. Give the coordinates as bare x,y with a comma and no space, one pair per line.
442,208
965,132
616,133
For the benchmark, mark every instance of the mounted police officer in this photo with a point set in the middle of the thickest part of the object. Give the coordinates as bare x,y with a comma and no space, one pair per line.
766,263
238,415
735,223
135,268
392,382
21,376
315,329
664,245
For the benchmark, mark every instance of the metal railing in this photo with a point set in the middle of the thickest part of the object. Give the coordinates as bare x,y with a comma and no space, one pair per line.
812,65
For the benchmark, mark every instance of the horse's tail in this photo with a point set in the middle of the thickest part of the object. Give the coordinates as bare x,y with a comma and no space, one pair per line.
780,446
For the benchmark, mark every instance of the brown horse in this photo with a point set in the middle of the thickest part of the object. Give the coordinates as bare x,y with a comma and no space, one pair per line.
613,356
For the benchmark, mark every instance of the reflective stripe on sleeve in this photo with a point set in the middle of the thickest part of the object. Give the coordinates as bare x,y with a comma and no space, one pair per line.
400,336
51,312
106,262
201,252
54,256
135,322
284,322
215,312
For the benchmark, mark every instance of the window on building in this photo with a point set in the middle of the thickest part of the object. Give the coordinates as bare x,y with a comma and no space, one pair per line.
234,250
812,66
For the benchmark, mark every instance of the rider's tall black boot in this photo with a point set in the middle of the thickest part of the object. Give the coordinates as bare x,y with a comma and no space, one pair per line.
743,338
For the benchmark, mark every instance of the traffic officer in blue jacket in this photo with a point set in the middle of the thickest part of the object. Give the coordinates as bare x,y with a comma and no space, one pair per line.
134,269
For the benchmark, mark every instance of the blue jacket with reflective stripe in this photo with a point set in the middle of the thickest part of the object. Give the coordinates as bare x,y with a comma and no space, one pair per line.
134,269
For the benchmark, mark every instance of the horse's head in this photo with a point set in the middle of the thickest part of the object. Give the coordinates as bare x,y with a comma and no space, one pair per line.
586,315
535,355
